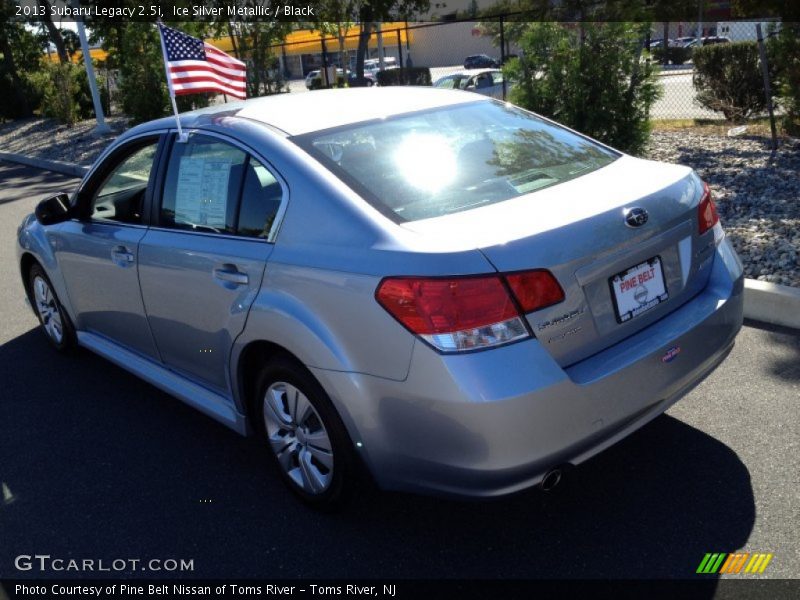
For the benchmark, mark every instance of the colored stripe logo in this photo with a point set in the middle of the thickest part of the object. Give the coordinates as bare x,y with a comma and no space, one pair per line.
736,562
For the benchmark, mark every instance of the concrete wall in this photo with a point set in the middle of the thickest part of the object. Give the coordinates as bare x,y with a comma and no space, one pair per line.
449,44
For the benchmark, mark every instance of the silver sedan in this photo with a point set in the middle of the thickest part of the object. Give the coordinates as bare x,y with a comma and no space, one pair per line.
458,295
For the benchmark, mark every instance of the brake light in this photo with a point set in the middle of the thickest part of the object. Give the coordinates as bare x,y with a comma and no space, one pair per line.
465,313
707,211
535,289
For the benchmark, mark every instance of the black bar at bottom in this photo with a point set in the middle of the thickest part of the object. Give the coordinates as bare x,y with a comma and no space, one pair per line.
702,586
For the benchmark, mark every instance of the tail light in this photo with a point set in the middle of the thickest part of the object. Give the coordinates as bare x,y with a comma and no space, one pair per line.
467,313
707,211
535,289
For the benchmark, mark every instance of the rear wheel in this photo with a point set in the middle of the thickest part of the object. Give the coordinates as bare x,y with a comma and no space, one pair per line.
52,316
304,434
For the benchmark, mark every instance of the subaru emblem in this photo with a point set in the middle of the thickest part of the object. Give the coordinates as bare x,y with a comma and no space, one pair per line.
635,217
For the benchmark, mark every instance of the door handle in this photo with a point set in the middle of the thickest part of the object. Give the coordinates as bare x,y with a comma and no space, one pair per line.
122,256
230,274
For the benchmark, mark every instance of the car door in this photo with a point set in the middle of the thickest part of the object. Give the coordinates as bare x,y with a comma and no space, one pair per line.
202,262
97,252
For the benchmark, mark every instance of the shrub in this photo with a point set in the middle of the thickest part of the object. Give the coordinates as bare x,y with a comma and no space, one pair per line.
590,79
784,57
84,95
142,81
60,89
405,76
18,99
728,79
62,92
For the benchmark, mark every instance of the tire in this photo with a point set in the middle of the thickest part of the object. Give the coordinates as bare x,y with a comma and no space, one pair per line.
54,320
310,447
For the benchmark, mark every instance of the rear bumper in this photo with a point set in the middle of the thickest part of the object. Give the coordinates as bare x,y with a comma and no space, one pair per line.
491,423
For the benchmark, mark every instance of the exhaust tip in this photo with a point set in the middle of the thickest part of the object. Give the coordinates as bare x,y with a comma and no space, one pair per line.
551,479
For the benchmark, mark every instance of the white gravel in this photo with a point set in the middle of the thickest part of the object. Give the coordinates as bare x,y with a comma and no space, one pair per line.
758,202
50,140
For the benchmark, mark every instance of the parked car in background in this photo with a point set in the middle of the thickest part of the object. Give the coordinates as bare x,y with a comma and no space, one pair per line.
682,41
488,82
314,78
480,61
708,41
369,78
452,292
312,75
659,43
373,65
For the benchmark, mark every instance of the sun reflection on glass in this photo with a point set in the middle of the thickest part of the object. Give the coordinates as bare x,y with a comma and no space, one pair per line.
426,161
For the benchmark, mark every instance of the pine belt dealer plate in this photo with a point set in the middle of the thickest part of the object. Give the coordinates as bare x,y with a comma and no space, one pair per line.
638,289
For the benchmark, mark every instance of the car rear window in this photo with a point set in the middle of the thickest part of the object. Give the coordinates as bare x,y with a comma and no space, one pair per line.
446,160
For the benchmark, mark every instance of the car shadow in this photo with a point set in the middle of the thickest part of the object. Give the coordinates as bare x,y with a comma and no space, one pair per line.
785,362
95,463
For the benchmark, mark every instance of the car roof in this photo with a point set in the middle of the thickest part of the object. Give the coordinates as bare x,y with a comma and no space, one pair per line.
474,71
304,112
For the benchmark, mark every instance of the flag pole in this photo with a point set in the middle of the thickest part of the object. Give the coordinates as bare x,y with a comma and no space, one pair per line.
182,137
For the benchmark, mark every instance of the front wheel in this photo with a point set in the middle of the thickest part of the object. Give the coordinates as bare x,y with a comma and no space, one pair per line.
305,435
52,316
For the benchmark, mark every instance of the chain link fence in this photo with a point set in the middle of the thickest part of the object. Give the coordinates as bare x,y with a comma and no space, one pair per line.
444,47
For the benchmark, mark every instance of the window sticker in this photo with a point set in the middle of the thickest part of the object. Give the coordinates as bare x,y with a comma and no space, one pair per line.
202,191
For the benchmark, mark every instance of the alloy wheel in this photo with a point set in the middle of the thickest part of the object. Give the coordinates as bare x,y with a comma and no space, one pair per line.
47,307
298,437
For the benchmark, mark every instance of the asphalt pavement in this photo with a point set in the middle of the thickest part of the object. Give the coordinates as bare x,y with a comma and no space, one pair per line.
97,464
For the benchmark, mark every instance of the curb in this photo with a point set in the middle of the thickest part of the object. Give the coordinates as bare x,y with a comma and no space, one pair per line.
772,303
764,302
49,165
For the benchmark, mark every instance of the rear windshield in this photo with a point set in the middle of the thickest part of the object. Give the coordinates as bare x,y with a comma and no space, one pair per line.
446,160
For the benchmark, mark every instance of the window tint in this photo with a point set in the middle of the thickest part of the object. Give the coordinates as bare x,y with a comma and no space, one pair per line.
497,77
204,178
120,197
261,197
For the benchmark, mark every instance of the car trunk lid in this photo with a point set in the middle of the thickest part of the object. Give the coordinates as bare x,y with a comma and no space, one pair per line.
578,231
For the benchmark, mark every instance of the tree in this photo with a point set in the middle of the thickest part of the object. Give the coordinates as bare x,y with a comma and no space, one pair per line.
254,41
589,78
72,42
372,11
22,53
784,58
339,18
53,31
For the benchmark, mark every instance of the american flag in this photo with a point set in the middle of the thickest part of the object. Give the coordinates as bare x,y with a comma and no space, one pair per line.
195,66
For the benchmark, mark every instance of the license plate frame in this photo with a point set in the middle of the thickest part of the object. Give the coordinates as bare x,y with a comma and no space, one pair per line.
627,306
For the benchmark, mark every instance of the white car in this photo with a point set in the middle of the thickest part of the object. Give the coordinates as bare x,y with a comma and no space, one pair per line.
312,75
315,75
488,82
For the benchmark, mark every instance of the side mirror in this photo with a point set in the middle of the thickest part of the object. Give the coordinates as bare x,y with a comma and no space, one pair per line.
52,210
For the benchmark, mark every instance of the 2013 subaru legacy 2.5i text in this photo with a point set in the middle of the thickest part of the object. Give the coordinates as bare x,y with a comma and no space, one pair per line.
457,294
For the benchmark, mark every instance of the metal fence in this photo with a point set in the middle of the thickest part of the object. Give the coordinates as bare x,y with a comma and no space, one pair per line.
443,47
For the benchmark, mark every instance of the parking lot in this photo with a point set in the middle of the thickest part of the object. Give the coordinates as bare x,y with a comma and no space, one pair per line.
97,464
676,101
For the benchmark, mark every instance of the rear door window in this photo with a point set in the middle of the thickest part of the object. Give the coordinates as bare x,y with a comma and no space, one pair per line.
212,186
